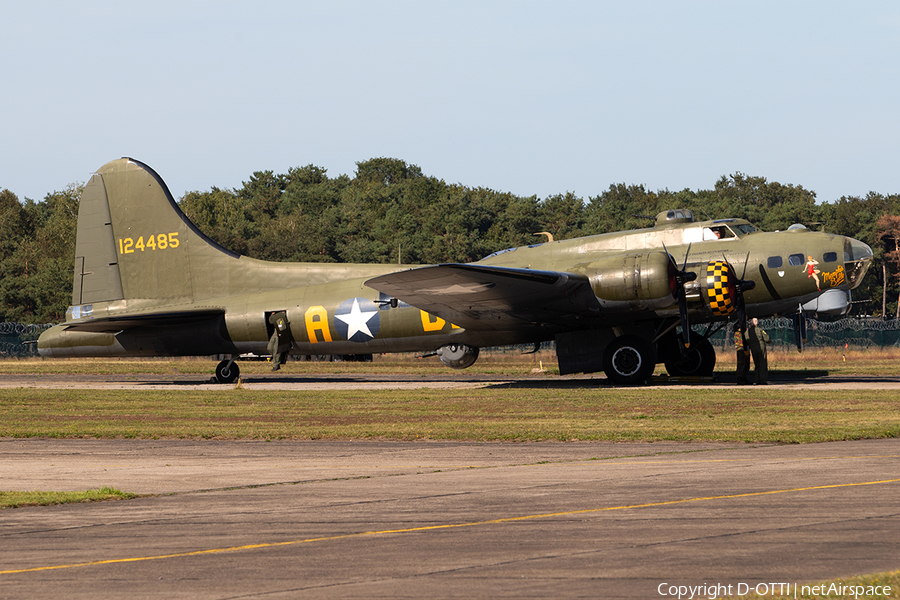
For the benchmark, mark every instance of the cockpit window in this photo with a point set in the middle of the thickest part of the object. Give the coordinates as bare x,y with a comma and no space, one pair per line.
774,262
722,232
797,260
746,228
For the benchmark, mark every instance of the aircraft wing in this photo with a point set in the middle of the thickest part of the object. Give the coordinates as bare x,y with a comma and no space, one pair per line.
148,319
479,297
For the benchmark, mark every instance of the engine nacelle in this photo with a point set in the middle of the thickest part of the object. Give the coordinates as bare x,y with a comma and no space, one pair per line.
639,281
458,356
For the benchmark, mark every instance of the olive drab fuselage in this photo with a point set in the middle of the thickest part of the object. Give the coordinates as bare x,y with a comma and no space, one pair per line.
149,283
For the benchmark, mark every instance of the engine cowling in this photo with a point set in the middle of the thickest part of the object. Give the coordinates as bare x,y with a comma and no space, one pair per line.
720,288
639,281
716,287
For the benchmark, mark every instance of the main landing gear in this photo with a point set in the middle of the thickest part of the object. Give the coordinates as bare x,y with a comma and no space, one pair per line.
697,361
629,360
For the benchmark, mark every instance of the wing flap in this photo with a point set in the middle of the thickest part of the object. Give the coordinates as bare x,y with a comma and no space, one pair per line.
498,298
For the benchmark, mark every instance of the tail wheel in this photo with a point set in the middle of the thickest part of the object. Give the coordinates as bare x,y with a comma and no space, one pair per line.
227,371
629,360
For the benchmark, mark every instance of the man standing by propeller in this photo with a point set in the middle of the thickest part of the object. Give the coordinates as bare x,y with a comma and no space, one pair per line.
743,357
758,338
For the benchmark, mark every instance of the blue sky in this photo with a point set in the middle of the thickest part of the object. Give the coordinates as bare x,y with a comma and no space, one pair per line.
527,97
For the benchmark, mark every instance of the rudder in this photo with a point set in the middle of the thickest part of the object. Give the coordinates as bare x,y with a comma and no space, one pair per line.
97,277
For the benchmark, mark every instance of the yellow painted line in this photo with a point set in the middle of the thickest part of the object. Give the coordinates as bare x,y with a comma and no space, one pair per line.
437,527
762,459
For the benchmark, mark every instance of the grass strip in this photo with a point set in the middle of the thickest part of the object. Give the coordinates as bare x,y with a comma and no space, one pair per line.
19,499
502,413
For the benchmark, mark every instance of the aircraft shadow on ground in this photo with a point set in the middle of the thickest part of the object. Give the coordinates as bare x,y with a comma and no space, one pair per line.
776,376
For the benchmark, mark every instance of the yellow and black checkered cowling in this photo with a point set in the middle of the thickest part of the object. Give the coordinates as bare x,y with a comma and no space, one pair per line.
721,293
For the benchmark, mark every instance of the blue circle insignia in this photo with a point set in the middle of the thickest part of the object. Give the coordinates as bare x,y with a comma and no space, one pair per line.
357,320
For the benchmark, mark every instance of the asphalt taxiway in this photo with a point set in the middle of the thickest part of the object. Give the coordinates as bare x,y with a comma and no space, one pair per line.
327,519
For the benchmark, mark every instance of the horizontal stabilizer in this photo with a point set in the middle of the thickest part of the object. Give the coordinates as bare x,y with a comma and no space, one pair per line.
151,319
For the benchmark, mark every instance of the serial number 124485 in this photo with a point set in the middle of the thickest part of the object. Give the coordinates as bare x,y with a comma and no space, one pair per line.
161,241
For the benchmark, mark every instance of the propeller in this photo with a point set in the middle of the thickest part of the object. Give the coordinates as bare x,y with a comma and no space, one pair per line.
726,296
680,277
725,291
741,285
799,319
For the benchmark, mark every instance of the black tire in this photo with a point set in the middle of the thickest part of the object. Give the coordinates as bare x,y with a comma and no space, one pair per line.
700,360
629,360
227,372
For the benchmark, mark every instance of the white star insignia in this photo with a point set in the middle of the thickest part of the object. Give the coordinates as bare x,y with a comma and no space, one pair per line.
357,320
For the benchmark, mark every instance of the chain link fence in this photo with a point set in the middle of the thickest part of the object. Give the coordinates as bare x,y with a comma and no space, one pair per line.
855,333
19,340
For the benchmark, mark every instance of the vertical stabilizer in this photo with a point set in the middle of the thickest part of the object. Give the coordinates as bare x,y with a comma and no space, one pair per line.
136,244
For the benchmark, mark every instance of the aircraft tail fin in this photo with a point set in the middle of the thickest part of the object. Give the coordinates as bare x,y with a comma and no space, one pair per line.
133,242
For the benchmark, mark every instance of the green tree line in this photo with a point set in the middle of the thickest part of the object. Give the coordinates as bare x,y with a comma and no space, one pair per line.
390,212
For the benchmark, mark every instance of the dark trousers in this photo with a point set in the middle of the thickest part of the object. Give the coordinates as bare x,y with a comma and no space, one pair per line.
743,366
277,350
761,364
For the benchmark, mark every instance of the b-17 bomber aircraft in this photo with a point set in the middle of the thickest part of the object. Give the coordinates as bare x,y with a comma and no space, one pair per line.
149,283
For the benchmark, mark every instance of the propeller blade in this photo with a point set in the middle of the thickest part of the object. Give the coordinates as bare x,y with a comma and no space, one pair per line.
682,276
686,254
800,328
741,285
683,313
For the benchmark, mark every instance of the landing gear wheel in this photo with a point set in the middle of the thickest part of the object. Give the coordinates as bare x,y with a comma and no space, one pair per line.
699,360
629,360
227,371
